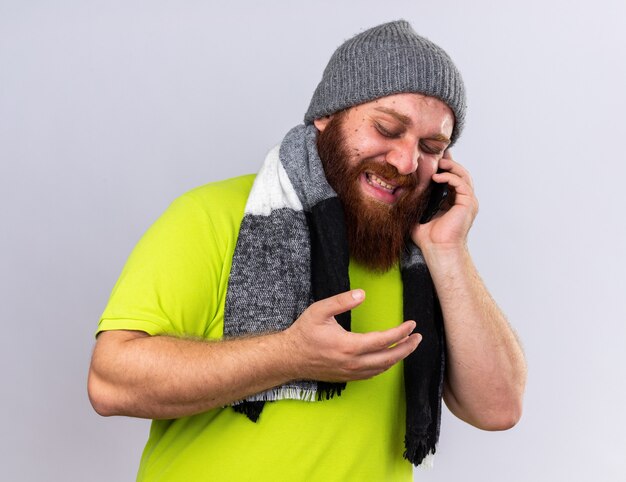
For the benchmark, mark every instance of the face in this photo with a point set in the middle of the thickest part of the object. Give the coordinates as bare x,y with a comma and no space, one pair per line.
379,157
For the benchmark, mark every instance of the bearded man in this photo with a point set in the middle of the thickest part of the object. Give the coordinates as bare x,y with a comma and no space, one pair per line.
241,324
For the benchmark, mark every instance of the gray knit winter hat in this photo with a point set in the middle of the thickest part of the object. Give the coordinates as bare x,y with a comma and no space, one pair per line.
388,59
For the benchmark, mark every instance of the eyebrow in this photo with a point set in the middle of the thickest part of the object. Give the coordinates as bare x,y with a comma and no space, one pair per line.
440,137
407,122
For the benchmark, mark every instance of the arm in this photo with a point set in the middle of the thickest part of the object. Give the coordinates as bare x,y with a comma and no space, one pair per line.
139,375
486,371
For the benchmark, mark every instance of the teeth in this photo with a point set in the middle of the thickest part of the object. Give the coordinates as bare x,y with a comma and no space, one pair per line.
380,182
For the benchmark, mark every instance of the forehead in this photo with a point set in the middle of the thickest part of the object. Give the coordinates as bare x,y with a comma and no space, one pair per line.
418,110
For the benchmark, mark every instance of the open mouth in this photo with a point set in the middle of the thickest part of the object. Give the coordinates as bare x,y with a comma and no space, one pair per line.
377,182
379,188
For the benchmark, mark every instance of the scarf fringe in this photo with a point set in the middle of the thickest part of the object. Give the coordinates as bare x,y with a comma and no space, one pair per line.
283,393
252,410
419,452
428,463
327,390
324,391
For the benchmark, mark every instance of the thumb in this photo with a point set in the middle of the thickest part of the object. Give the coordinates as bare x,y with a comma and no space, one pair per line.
340,303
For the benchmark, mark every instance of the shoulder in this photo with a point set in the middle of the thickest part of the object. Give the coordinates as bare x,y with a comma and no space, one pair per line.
222,202
234,192
208,215
215,209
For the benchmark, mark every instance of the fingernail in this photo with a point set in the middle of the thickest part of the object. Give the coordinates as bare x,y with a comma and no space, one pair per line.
358,294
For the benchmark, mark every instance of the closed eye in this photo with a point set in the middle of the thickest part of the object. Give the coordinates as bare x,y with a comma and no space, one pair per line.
429,149
386,132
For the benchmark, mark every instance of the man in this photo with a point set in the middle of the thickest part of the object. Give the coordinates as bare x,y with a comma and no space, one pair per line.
249,304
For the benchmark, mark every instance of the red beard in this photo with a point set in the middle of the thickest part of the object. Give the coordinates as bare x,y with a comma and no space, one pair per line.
377,232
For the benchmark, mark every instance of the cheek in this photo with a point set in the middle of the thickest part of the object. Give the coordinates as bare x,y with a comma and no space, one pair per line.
362,145
426,168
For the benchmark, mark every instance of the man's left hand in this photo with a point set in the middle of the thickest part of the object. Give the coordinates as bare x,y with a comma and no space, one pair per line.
449,228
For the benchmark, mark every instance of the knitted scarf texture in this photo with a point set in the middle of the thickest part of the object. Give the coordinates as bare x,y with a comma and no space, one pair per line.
291,251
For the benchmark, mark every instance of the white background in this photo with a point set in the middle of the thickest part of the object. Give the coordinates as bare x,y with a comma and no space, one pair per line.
111,109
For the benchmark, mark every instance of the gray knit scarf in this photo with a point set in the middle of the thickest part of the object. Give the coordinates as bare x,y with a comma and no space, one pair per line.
291,251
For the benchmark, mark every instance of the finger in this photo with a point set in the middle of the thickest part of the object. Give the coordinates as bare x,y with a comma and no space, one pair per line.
385,359
461,194
375,341
337,304
459,184
448,164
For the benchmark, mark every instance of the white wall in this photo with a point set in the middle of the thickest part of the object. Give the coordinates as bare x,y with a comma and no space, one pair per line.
111,109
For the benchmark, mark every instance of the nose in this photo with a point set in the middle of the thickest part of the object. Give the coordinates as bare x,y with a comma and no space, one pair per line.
404,157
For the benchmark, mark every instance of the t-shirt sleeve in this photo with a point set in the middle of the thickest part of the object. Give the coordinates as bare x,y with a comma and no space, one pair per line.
172,282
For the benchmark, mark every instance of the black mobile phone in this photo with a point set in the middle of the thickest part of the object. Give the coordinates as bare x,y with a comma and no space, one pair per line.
437,197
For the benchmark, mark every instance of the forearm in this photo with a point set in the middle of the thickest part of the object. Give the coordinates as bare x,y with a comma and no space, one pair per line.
139,375
486,370
166,377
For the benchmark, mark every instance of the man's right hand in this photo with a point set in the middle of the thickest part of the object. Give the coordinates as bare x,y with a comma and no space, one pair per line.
322,350
139,375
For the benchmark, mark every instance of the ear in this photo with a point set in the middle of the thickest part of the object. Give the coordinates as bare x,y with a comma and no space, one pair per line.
322,122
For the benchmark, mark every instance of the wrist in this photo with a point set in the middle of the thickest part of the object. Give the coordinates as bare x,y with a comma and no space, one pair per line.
452,271
445,254
287,354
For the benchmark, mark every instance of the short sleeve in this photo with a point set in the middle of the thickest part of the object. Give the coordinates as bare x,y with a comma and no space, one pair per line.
175,280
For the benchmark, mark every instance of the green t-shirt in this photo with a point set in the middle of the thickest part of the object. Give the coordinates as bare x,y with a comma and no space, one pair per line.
175,283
